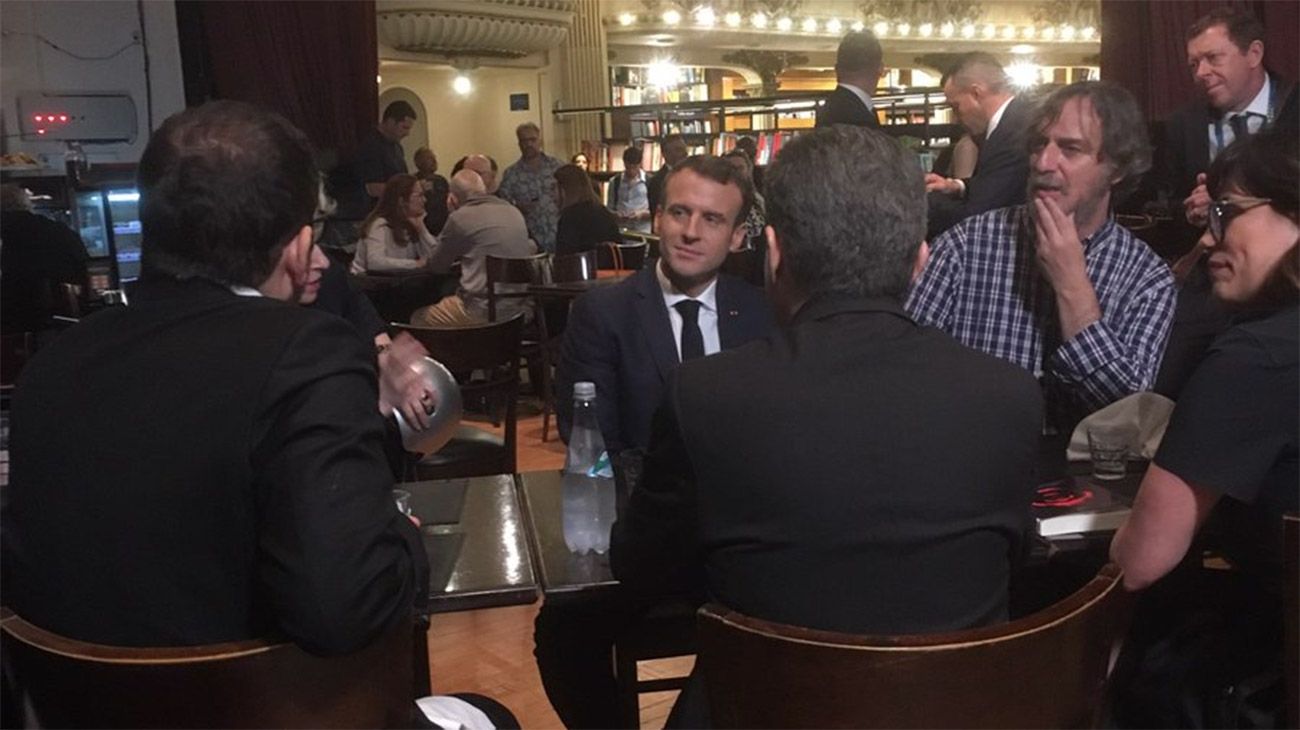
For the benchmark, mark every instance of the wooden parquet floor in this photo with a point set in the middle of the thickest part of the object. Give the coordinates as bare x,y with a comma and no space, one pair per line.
490,651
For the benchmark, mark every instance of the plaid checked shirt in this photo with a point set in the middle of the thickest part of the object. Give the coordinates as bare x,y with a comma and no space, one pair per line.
983,287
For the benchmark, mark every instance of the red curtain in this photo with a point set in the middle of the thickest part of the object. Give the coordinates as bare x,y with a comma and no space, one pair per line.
1143,46
313,62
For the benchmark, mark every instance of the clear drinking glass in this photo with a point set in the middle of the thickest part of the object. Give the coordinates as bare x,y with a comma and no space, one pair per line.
1109,447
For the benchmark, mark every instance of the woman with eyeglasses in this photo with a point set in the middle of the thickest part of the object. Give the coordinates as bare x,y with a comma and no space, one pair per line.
1226,470
393,236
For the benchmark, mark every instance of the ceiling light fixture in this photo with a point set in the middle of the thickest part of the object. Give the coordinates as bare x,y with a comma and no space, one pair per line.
732,20
626,19
881,28
672,16
809,25
926,30
462,85
705,16
947,29
759,20
857,26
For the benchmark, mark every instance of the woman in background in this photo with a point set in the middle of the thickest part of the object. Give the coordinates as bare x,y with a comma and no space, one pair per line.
1228,463
584,222
393,236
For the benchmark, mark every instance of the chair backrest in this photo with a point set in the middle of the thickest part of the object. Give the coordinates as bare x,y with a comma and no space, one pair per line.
1291,619
614,255
492,349
245,684
1045,670
524,270
574,266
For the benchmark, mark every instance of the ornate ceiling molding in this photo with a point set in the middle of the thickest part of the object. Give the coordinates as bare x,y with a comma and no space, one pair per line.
477,28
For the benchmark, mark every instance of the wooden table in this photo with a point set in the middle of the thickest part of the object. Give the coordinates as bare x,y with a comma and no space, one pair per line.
474,535
561,572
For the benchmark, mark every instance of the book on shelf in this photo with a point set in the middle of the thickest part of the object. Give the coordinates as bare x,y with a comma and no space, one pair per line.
1078,506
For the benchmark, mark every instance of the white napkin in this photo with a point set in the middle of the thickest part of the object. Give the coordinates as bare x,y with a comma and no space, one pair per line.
1148,412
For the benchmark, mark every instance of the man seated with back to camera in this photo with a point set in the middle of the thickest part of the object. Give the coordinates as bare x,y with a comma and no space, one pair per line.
217,428
854,454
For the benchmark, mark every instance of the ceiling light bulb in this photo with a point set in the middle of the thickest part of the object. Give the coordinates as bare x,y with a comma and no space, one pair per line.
732,20
1028,33
672,17
1089,32
834,26
857,26
968,31
1049,33
704,16
759,20
379,79
809,25
990,30
462,85
1067,33
903,28
881,28
784,23
926,30
946,30
1008,32
626,19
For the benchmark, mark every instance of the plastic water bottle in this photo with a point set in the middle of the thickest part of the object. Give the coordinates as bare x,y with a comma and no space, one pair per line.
588,482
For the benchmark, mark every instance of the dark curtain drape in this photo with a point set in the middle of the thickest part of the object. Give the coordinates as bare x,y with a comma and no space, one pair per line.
1143,46
313,62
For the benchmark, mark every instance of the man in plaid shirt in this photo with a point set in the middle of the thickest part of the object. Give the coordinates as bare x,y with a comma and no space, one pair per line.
1055,285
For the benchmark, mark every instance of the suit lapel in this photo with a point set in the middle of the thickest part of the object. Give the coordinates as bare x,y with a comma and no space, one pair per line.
729,331
652,315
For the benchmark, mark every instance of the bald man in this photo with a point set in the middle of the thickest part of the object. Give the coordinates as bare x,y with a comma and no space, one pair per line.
480,225
486,168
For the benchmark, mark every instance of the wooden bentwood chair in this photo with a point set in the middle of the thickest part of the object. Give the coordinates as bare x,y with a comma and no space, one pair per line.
244,684
492,352
553,315
1046,670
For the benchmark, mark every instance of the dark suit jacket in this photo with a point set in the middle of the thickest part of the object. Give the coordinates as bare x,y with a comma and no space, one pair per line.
620,338
1000,173
201,467
857,472
37,253
844,107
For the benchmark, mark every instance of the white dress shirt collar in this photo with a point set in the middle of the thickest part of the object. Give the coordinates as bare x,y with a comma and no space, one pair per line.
707,318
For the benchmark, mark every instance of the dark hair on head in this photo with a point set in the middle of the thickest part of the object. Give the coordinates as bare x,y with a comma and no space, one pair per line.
1265,165
848,207
391,208
575,185
719,171
674,137
748,145
223,187
397,111
1243,27
632,155
976,66
859,51
739,153
1124,141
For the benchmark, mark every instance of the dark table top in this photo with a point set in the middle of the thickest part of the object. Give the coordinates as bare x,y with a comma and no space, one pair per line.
475,536
560,570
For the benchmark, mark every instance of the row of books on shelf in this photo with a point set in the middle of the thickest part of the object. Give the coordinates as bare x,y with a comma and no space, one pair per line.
637,95
658,128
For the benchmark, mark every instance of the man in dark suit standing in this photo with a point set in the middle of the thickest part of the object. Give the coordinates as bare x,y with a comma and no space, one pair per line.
674,151
628,339
207,464
980,93
859,62
856,472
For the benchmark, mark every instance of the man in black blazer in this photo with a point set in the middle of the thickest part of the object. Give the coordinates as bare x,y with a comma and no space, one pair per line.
857,471
207,464
858,66
981,95
628,339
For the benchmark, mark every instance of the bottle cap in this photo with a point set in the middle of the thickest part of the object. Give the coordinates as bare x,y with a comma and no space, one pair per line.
584,390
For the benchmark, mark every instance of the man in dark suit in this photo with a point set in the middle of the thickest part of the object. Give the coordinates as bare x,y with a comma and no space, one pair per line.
628,339
1225,52
207,464
980,93
858,66
673,147
857,472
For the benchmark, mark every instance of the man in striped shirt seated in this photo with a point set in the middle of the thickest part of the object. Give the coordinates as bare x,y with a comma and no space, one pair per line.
1056,285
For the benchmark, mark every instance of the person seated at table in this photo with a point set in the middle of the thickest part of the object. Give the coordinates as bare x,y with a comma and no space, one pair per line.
393,237
1228,463
584,223
857,472
480,225
628,338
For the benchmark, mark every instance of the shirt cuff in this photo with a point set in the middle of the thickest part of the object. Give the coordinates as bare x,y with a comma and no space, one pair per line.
961,187
1092,349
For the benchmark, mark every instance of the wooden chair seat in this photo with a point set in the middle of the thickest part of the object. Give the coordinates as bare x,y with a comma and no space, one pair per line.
245,684
1046,670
